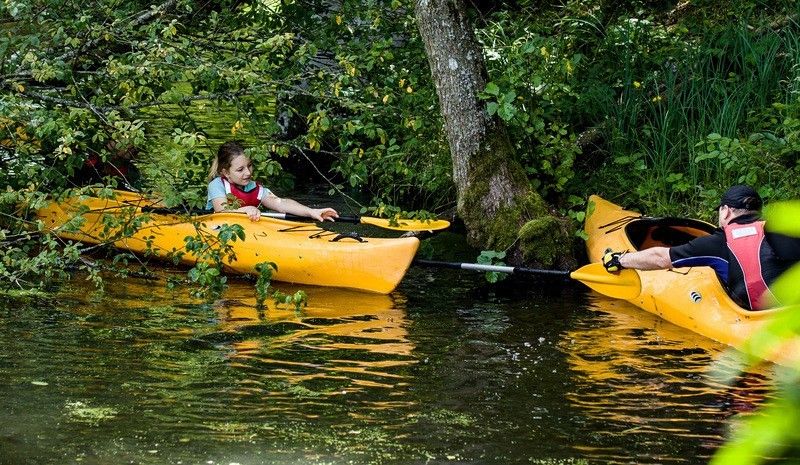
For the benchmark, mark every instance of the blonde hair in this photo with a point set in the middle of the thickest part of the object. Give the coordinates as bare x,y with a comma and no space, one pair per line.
225,155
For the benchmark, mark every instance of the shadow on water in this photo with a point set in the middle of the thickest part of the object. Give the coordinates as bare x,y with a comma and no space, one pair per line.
447,369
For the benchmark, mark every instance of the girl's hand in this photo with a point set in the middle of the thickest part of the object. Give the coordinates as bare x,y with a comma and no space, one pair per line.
323,214
252,212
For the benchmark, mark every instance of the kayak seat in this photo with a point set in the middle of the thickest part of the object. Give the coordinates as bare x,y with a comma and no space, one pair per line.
645,233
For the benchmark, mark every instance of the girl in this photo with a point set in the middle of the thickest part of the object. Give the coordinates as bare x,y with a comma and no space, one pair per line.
231,174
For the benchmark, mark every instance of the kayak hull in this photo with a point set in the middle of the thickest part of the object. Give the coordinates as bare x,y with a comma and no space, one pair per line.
692,298
303,252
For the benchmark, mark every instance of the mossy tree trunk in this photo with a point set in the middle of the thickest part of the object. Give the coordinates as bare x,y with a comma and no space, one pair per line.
499,208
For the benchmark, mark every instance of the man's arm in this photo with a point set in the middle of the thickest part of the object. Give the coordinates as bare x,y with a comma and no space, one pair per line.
654,258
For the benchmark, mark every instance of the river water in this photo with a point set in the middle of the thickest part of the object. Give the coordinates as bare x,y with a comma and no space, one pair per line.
447,369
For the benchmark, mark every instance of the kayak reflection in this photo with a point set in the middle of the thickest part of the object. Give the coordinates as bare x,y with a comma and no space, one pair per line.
358,339
638,375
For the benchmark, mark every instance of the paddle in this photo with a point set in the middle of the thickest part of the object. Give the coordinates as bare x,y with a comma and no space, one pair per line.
623,285
400,224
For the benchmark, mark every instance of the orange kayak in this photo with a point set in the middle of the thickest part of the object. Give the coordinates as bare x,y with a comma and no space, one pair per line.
303,252
692,298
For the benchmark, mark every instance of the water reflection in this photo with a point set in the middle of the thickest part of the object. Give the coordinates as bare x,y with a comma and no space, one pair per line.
641,378
476,374
169,373
341,336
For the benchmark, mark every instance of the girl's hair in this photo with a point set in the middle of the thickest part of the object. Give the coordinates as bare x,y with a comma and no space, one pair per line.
225,155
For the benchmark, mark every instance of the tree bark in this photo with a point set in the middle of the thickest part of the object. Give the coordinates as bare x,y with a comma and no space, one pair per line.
495,199
459,73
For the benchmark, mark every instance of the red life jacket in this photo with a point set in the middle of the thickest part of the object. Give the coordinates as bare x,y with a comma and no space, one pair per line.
744,243
251,198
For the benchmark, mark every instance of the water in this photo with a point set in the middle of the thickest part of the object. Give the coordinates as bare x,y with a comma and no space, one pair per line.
447,369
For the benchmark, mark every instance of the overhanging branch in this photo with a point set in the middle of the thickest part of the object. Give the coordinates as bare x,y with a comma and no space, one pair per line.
138,20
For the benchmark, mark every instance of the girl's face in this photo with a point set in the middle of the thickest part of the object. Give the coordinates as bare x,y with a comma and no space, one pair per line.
240,171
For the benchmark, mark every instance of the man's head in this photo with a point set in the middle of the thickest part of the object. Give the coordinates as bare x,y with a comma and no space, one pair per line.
738,200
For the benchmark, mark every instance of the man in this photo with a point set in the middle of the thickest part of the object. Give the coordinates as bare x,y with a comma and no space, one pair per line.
745,257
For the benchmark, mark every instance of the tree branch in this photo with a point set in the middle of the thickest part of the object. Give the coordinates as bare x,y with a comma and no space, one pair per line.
138,20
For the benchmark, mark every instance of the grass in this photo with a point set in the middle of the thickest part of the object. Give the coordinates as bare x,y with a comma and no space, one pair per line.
720,87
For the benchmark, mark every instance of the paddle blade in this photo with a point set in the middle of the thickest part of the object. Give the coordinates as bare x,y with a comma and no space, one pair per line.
401,224
623,285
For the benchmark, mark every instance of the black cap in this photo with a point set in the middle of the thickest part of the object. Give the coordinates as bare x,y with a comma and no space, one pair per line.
743,197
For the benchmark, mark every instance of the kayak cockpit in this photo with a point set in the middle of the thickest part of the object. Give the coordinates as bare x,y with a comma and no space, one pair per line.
645,233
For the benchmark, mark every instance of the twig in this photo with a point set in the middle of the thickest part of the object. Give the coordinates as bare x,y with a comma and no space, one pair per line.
331,183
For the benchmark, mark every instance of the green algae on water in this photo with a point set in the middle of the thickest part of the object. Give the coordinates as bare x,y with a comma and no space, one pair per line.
81,412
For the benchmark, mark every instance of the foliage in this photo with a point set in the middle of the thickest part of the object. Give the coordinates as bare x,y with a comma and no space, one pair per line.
299,299
773,431
265,270
724,112
620,98
664,105
263,282
307,81
211,251
492,257
531,90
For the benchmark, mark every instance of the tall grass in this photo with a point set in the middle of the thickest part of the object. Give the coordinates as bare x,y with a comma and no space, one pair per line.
792,42
715,88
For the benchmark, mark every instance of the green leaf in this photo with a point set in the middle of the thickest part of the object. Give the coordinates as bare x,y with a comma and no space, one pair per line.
761,435
784,217
785,287
492,89
491,257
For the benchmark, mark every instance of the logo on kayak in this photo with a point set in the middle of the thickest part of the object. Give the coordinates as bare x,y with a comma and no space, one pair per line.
695,296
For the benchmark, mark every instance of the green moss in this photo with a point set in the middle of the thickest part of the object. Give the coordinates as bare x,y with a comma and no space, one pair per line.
542,240
301,391
569,461
500,231
520,222
449,417
81,412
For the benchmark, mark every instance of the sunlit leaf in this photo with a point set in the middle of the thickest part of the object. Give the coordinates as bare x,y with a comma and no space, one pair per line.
786,289
764,435
778,336
784,217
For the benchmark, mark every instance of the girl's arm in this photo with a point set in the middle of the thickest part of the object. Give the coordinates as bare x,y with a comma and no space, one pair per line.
219,204
273,202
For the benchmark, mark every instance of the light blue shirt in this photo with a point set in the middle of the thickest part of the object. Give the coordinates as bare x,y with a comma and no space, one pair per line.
216,190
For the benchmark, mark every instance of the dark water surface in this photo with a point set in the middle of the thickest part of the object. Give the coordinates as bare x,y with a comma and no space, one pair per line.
445,370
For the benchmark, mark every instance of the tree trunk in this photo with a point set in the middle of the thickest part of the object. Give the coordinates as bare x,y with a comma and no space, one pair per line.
495,200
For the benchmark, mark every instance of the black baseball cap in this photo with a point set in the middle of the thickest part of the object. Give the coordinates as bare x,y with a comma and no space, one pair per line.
743,197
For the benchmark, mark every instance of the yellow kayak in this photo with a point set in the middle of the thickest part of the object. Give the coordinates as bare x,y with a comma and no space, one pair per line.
303,252
692,298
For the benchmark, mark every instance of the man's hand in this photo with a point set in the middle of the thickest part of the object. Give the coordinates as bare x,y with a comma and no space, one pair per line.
611,261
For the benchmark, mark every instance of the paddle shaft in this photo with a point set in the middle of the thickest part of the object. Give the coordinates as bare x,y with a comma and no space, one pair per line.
625,284
282,216
401,224
488,268
291,217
